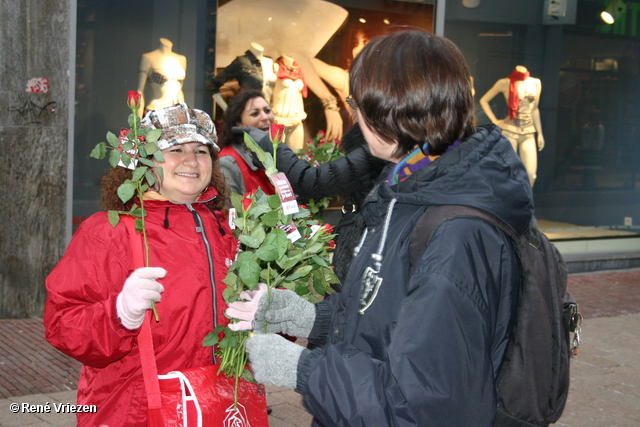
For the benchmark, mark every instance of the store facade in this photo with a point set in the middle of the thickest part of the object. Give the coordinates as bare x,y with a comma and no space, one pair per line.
586,188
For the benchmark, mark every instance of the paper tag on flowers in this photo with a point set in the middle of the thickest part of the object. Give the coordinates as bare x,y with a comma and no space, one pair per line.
285,192
232,218
292,231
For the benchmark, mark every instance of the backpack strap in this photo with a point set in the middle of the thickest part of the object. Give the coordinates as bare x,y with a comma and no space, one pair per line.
435,215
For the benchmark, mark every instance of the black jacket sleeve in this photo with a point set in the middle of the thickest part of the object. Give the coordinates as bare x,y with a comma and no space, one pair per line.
354,172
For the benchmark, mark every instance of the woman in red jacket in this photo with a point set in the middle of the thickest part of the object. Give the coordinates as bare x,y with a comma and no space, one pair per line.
250,109
97,301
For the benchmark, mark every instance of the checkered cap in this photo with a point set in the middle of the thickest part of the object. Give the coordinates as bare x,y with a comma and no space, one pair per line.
180,125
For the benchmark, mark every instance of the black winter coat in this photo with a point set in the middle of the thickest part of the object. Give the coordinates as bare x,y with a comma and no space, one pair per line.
424,349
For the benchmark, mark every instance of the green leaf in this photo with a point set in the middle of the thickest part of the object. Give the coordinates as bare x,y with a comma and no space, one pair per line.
249,241
158,156
302,213
142,151
114,218
160,172
301,290
114,158
128,145
236,202
250,272
259,233
267,253
253,146
229,294
319,286
230,280
150,178
270,219
139,212
219,329
315,248
303,270
320,261
150,148
126,191
248,376
113,140
256,211
210,339
138,173
126,160
274,201
280,241
139,226
147,162
152,136
99,151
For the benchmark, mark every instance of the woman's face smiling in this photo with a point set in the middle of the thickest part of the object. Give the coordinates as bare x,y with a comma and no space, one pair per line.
257,114
186,170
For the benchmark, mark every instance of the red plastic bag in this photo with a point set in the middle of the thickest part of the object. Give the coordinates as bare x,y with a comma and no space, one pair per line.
201,397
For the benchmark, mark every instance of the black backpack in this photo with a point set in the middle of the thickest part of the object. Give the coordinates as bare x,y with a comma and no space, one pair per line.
533,382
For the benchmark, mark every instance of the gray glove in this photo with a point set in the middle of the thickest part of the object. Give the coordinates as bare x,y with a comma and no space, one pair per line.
274,360
286,313
259,136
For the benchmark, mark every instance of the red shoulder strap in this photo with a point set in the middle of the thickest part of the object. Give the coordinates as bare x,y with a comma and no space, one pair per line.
145,342
252,179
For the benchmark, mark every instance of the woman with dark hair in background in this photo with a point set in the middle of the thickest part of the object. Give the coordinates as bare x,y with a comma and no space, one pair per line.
416,344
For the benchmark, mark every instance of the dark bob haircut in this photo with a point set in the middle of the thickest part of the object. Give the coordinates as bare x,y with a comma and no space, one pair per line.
413,87
233,116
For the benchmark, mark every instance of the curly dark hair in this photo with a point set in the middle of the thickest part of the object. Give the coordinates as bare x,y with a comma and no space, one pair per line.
233,116
116,176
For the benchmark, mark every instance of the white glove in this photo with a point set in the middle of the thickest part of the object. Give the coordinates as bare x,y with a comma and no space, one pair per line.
138,291
245,310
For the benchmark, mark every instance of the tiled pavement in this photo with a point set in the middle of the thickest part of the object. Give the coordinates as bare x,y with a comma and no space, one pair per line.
605,378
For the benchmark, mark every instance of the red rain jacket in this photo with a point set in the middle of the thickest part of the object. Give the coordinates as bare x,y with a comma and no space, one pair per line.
80,312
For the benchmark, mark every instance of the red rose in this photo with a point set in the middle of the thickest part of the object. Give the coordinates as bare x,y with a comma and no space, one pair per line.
133,99
326,228
331,245
276,132
248,199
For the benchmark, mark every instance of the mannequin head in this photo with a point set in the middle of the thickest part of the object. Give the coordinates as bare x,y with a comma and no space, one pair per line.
422,95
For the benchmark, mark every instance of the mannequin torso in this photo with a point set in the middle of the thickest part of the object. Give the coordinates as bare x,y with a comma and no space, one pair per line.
165,72
520,130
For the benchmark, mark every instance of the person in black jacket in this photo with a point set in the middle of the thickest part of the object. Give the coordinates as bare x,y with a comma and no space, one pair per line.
405,346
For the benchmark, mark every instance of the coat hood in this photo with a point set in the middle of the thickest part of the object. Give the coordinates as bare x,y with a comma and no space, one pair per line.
482,172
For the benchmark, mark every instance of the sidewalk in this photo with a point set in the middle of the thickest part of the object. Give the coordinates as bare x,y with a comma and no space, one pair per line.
605,377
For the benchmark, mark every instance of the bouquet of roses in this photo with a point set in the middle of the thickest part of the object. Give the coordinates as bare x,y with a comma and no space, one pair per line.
319,151
281,246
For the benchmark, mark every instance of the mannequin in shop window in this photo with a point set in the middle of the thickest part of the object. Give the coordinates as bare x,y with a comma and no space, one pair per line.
251,71
522,94
288,100
165,71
